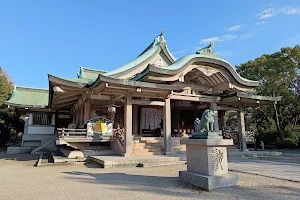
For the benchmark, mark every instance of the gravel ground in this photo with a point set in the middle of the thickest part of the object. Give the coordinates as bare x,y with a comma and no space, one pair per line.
19,180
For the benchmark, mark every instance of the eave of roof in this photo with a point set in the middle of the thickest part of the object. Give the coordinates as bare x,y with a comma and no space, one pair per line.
89,73
240,98
181,63
102,78
28,97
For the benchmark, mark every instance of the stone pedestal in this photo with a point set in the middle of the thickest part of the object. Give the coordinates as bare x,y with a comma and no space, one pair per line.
207,165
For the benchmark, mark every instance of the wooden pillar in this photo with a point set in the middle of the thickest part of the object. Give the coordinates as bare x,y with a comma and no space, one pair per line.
53,119
128,123
242,132
87,111
167,126
222,119
30,120
214,107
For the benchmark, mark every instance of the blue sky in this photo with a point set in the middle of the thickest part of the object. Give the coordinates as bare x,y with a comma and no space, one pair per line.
41,37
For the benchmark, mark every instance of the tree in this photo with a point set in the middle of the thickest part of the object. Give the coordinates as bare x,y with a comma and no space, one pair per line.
5,86
10,121
278,74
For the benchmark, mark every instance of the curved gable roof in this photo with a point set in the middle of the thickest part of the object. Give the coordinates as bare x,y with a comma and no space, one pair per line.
201,56
159,44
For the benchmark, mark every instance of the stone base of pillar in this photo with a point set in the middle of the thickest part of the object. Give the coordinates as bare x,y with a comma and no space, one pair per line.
208,182
207,165
126,154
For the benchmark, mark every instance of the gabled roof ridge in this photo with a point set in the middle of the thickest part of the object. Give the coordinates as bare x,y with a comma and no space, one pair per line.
30,88
90,69
158,44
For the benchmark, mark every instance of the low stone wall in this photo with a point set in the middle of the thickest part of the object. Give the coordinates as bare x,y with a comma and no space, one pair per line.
19,150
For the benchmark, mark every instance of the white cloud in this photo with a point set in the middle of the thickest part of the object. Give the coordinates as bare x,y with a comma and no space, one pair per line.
218,39
290,11
234,28
246,36
178,52
267,13
261,22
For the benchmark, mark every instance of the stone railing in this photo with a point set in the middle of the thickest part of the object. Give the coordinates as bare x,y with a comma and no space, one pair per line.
120,135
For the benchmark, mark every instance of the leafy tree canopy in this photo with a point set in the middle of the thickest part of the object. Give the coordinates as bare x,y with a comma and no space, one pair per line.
279,75
5,86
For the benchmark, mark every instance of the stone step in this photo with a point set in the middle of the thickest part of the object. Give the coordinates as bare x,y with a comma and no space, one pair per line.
179,149
147,144
150,141
131,161
160,164
147,150
88,153
147,153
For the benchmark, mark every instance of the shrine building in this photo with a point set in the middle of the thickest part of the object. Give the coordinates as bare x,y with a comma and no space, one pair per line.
141,108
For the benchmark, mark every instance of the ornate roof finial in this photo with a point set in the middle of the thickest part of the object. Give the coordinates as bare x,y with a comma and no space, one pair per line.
207,49
162,32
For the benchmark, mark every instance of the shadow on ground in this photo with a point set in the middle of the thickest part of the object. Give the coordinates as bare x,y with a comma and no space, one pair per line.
123,181
18,157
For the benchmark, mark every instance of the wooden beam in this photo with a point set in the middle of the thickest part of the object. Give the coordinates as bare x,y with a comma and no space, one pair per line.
64,100
186,98
227,108
149,95
198,98
78,104
65,104
116,97
148,103
101,87
100,97
222,86
68,95
58,89
203,106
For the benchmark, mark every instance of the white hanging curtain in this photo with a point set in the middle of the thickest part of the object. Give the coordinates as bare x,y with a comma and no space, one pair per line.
151,118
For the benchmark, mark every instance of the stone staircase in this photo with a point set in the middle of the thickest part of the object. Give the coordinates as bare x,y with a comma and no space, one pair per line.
147,146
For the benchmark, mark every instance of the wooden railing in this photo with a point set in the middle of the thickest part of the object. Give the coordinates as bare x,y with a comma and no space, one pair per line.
119,134
69,132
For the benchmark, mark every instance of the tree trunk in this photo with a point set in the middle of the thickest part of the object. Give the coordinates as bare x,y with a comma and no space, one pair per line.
278,126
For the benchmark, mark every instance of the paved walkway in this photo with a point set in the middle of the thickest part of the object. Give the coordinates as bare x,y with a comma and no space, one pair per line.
280,170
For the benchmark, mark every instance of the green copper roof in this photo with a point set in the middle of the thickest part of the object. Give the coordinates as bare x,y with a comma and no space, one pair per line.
28,97
203,55
151,50
135,62
81,80
89,73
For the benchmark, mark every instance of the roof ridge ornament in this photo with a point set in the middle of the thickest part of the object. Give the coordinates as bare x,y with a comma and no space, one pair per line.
207,49
80,73
159,39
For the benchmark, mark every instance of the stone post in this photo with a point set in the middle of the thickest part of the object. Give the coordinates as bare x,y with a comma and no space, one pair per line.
241,125
207,165
128,123
214,107
167,127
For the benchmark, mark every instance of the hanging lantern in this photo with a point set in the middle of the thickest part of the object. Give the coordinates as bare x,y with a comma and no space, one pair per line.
111,108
